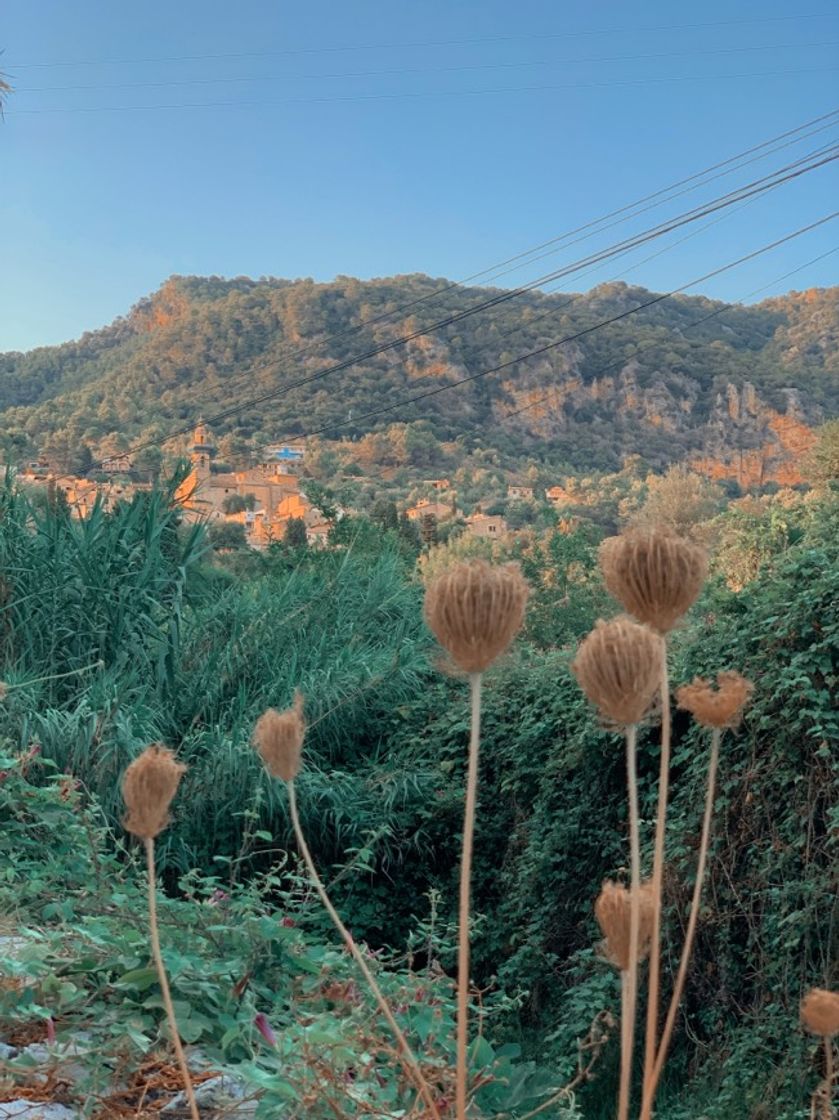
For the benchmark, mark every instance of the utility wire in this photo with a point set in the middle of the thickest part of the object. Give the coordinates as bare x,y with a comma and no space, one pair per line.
759,186
578,334
417,94
585,231
408,70
696,323
762,185
541,37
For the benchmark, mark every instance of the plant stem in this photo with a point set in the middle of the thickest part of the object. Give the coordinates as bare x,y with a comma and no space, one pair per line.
629,977
690,934
465,885
409,1061
658,878
164,982
828,1079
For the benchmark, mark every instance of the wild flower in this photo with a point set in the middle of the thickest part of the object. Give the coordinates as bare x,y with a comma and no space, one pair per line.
613,912
475,610
820,1012
820,1016
716,707
278,736
618,667
654,574
148,787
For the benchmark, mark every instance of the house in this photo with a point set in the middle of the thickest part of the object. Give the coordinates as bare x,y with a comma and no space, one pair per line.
291,452
438,484
558,496
520,493
425,507
492,526
203,493
116,464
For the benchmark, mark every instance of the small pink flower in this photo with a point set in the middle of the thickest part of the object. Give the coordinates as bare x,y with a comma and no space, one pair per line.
289,923
218,896
261,1023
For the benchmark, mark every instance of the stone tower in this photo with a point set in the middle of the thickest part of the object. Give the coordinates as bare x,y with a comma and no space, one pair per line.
202,452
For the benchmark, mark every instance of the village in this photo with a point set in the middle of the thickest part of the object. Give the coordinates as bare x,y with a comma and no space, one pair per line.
265,499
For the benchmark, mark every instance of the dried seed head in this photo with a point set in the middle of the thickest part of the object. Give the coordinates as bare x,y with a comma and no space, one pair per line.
716,707
278,736
613,910
618,667
148,786
4,688
820,1012
654,574
475,610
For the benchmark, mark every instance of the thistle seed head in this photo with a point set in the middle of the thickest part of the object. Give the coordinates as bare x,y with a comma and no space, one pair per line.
278,736
148,786
618,666
654,574
716,707
475,610
820,1012
613,910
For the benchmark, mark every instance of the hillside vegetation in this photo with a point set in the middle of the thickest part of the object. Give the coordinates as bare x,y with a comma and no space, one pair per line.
658,383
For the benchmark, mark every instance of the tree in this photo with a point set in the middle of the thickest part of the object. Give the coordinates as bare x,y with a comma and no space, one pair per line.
821,464
295,533
680,500
238,503
226,535
385,513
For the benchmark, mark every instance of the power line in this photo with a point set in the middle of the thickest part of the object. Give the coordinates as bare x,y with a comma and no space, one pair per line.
542,36
696,323
579,334
416,95
554,244
762,185
403,71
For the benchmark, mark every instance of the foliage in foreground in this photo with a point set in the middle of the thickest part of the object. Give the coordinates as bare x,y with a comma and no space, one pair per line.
388,756
254,985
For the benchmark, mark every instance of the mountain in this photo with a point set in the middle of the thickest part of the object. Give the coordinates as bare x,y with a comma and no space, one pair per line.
734,388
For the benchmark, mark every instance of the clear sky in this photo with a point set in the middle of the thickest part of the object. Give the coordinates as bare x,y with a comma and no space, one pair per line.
375,137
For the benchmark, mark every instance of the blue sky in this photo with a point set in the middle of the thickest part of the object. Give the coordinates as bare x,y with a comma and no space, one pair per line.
372,138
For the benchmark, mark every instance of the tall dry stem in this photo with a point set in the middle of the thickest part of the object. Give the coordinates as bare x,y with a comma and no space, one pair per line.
657,882
465,898
163,980
690,934
409,1061
829,1114
629,977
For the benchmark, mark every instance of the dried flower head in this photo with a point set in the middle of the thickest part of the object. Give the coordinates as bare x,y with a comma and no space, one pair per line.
278,736
654,574
613,910
716,707
4,688
148,786
618,667
475,610
820,1012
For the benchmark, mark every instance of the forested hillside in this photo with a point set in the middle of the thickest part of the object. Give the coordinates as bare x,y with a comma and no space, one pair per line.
684,378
